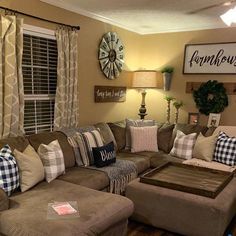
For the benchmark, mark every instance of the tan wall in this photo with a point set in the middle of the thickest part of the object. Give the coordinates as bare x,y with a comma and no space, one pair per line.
89,70
168,49
150,52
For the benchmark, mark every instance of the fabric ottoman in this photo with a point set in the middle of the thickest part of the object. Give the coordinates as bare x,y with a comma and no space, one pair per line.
182,212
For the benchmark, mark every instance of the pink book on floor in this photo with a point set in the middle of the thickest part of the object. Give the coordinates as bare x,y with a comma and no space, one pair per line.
63,208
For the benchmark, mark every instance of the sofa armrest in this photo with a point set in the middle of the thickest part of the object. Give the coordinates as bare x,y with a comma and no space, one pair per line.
4,201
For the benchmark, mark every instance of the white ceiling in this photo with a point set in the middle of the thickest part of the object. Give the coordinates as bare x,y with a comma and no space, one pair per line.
150,16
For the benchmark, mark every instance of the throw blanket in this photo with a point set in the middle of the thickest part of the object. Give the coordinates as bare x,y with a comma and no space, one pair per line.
119,173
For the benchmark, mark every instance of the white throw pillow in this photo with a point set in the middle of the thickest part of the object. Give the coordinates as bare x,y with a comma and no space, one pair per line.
144,139
183,145
135,123
53,160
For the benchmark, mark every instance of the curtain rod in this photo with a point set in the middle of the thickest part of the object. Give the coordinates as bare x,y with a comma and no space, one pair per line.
39,18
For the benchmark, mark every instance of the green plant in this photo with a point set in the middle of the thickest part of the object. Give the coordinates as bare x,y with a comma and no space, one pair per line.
177,105
168,69
168,99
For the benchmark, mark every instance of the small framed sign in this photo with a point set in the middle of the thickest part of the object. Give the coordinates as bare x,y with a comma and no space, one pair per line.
109,94
211,58
214,120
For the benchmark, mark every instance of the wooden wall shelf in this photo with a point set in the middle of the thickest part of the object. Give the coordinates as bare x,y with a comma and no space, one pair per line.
230,87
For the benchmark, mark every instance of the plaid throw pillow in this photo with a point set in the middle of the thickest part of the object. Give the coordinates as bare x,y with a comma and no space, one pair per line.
183,145
9,174
225,150
86,141
53,160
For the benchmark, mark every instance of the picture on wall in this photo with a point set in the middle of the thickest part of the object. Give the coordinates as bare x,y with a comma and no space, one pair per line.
213,120
210,58
193,118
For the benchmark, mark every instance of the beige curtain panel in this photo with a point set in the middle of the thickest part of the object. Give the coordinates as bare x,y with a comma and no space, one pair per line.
66,103
11,79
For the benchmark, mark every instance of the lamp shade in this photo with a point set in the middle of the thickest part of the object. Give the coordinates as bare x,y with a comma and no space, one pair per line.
144,79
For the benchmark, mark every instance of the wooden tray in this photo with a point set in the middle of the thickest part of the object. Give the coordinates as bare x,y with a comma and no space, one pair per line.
191,179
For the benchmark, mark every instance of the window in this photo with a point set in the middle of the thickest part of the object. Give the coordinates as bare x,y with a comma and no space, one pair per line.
39,66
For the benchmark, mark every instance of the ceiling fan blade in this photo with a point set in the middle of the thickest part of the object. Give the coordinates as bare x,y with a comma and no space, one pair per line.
211,6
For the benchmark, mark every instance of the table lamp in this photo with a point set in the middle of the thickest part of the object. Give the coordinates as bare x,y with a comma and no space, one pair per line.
144,79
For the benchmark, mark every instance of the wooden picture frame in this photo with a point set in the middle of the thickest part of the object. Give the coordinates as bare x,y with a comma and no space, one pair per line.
210,58
193,118
214,120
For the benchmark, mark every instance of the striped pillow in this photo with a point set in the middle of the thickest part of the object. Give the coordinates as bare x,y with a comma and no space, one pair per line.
86,141
53,160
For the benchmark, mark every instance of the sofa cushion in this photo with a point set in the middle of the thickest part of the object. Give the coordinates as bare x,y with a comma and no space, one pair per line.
86,141
161,158
30,168
9,172
136,123
105,155
47,137
143,139
4,201
225,150
53,160
98,211
204,147
142,162
118,130
83,176
164,136
19,143
183,145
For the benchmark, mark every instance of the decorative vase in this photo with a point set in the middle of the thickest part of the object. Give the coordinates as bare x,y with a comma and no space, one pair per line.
167,80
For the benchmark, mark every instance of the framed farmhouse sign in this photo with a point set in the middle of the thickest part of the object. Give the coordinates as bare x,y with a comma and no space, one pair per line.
211,58
109,94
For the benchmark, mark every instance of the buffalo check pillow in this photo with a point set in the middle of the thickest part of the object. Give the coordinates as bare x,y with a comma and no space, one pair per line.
225,150
86,141
183,145
9,174
53,160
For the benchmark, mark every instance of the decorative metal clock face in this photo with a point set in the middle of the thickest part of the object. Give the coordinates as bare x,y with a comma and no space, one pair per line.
111,55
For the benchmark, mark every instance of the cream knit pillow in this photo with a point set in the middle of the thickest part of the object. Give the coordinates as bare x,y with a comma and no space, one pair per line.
144,139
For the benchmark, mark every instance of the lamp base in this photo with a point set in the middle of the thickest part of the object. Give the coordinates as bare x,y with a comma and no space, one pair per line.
142,109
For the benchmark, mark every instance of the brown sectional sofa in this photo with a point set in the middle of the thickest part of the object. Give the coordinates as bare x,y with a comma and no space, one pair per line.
101,213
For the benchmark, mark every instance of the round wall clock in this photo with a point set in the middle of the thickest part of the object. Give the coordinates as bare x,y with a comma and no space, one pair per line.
111,55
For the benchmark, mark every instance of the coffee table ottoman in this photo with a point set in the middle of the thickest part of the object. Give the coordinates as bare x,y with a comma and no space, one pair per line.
182,212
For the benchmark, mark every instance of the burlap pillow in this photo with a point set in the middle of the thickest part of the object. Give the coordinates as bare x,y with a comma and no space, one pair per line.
30,167
204,147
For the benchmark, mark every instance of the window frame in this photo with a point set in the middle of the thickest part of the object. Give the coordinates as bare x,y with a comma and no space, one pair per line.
48,34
